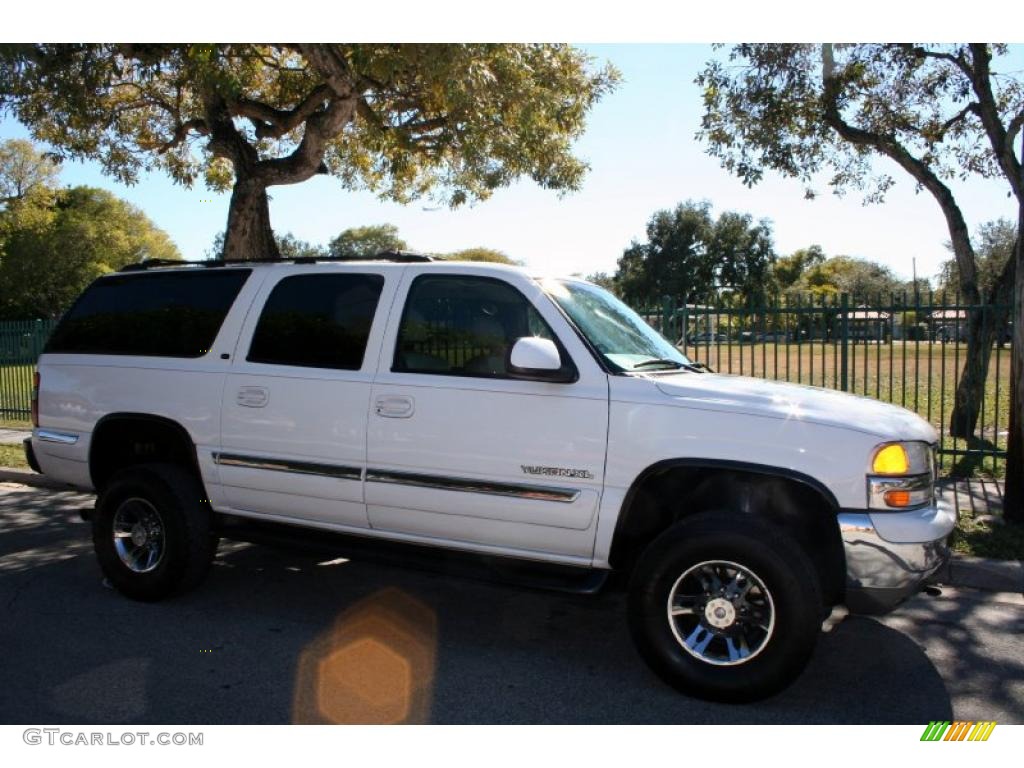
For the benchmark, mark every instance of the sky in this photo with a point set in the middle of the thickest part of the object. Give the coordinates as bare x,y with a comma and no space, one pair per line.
640,143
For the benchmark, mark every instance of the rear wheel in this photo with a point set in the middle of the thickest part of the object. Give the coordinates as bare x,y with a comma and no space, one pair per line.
725,607
152,531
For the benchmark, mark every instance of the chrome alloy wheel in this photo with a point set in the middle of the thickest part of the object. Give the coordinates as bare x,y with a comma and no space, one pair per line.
721,612
138,535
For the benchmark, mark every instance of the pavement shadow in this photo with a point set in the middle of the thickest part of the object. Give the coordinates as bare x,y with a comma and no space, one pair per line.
280,636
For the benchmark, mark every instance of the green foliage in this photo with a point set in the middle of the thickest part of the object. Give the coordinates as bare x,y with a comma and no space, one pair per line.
690,254
767,108
366,242
402,120
49,252
480,254
789,269
864,280
995,242
24,172
292,248
604,280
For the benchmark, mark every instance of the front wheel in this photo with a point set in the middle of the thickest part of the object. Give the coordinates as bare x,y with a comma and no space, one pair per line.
725,607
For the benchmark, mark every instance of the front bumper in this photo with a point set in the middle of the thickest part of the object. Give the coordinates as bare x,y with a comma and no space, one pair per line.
890,554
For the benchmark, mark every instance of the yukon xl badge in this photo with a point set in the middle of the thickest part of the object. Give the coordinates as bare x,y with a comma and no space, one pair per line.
557,472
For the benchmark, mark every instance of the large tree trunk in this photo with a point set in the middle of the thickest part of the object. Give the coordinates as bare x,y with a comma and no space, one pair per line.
249,235
982,328
1013,508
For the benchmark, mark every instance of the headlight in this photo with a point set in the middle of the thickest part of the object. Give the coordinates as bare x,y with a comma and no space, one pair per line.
903,476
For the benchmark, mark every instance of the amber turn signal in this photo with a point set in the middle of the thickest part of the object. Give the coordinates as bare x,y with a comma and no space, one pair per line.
897,498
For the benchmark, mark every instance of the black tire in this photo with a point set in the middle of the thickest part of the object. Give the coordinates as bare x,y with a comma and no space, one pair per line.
188,542
794,602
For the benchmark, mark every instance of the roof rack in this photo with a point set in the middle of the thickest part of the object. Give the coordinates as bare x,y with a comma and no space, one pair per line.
404,257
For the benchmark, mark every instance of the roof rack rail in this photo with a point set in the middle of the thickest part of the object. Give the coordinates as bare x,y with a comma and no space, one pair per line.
404,257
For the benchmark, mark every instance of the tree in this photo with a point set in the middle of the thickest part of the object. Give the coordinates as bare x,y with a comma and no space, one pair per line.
290,247
402,120
863,280
939,113
24,171
689,254
50,253
995,241
604,280
481,254
365,242
789,269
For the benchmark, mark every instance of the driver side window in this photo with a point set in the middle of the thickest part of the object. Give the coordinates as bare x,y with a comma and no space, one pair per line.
457,325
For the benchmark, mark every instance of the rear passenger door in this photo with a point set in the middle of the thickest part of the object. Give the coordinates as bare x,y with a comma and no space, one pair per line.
293,434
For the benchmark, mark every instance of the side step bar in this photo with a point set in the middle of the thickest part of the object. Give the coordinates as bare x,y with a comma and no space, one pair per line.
468,565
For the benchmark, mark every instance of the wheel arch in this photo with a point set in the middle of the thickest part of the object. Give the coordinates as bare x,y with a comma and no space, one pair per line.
672,489
125,438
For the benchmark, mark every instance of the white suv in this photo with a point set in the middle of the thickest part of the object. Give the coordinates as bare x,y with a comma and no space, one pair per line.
472,407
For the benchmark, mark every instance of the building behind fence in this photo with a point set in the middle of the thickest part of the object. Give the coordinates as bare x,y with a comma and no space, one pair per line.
900,349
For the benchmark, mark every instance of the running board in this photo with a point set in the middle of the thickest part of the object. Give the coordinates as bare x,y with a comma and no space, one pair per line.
468,565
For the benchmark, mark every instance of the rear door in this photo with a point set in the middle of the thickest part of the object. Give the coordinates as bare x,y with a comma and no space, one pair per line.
293,436
460,450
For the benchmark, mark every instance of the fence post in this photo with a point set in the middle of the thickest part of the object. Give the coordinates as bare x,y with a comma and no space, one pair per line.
666,315
844,342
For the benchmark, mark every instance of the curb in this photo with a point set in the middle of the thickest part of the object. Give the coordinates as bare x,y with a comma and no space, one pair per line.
32,479
981,573
961,570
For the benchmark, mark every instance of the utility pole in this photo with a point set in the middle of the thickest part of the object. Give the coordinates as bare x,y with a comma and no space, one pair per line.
913,263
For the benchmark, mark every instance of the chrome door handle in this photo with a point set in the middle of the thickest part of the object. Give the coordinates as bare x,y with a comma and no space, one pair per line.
253,397
394,406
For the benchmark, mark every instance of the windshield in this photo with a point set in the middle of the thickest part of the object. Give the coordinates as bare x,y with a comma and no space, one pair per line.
625,341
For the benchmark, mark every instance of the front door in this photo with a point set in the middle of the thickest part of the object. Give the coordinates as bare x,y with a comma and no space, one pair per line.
461,451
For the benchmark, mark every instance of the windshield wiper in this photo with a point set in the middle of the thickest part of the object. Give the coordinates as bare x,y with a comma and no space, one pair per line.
695,367
659,361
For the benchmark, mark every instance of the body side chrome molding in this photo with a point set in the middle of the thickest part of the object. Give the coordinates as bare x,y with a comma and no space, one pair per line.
287,465
438,482
52,436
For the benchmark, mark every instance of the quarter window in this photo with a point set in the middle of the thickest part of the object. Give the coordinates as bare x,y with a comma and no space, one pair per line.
155,314
463,326
317,321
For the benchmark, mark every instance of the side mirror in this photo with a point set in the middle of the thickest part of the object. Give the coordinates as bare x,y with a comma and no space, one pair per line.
539,360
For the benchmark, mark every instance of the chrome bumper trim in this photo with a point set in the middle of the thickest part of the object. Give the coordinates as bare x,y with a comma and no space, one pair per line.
438,482
53,436
879,573
287,465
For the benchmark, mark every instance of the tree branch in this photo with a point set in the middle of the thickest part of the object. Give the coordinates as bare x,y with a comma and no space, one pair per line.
274,123
981,82
181,133
919,170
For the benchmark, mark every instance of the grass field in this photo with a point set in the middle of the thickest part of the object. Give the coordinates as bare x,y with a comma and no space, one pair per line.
12,456
920,376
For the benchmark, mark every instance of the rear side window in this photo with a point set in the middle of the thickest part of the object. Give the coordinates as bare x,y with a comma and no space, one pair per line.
317,321
158,314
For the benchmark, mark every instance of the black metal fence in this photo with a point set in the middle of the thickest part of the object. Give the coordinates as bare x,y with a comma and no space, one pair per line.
21,342
902,349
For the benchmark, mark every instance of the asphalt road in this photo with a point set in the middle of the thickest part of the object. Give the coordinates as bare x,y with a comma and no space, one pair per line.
279,637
